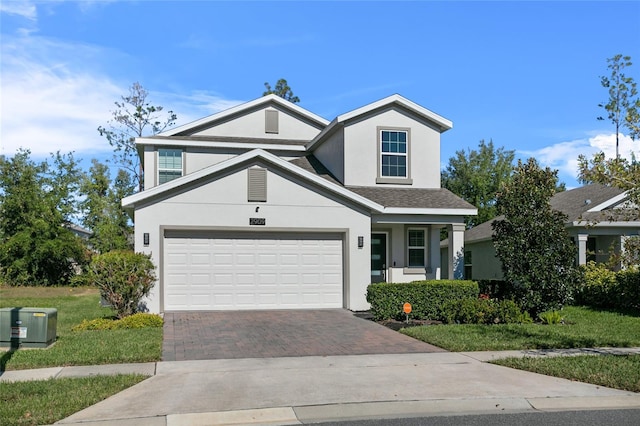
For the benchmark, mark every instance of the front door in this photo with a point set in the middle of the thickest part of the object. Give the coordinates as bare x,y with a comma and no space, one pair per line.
378,258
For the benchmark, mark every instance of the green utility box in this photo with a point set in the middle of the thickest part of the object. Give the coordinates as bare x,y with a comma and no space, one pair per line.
28,327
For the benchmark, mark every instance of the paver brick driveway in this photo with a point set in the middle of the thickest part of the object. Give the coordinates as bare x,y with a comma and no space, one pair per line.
279,333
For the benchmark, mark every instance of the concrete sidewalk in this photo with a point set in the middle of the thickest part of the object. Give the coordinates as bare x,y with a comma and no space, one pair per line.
300,390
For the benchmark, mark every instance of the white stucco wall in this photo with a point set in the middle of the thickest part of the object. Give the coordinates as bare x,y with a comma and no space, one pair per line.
252,124
361,149
200,158
331,154
221,204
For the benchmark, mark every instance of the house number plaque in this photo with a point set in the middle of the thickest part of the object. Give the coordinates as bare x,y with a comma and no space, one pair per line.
257,221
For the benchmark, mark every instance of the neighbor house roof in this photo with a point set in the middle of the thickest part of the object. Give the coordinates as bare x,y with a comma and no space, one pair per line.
586,203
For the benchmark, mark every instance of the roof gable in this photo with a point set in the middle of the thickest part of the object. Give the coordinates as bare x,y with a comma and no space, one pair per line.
245,108
437,121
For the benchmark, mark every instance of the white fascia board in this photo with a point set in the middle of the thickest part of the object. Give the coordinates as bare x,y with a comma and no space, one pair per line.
605,224
212,144
131,200
400,100
610,202
245,106
431,211
320,136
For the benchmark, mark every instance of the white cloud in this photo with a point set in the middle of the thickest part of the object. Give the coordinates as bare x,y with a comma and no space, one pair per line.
23,8
50,99
192,106
55,95
564,155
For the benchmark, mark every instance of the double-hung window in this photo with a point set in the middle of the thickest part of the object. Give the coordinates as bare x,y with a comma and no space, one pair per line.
394,149
416,250
169,164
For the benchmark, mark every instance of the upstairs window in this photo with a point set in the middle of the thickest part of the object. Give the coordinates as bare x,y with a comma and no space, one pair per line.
393,153
417,252
169,164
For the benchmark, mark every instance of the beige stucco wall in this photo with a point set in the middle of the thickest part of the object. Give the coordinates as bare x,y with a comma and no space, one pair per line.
252,124
221,204
361,149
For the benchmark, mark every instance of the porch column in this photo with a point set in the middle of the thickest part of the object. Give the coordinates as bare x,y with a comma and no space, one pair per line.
582,248
434,251
456,251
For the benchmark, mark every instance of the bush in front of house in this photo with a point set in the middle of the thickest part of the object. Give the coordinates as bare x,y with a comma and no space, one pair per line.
603,288
496,289
124,278
484,311
427,298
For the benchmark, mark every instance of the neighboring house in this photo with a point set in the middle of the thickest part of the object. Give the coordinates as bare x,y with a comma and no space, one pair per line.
269,206
596,222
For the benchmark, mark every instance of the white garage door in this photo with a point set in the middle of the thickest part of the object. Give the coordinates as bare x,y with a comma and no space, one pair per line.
214,271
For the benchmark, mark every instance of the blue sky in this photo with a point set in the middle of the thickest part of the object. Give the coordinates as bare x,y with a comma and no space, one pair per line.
525,74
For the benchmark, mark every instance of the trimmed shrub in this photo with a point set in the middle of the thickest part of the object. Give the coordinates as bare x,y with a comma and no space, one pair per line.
124,278
427,298
628,289
139,320
484,311
597,286
496,289
602,288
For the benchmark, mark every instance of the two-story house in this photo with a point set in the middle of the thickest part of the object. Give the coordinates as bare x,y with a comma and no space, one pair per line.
269,206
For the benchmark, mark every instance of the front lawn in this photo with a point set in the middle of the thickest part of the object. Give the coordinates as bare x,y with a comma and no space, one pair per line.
47,401
583,328
613,371
77,347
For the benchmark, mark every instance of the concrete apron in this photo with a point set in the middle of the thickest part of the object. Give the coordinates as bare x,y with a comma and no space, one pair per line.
285,390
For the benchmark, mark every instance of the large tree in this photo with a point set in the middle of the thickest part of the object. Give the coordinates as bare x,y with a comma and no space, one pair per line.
623,106
281,89
476,176
101,209
531,241
36,207
623,110
134,117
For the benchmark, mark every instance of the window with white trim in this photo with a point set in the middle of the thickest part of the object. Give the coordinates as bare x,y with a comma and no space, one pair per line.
393,153
416,248
169,164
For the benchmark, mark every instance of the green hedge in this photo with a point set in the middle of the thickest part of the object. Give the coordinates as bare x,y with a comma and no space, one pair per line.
428,298
603,288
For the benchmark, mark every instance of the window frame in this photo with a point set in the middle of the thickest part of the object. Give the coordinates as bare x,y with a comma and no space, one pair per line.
401,180
160,169
423,247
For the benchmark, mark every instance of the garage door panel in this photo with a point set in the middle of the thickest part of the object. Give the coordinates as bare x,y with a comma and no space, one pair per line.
213,271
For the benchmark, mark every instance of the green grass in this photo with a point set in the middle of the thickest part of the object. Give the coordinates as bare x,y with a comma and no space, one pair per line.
614,371
78,347
45,402
583,328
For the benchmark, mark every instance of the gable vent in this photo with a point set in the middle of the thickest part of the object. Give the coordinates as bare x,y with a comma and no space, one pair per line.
257,178
271,121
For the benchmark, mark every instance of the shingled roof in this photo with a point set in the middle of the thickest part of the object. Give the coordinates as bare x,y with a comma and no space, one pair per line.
435,198
575,203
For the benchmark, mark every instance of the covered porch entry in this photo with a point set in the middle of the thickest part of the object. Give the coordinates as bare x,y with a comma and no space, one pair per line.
410,251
